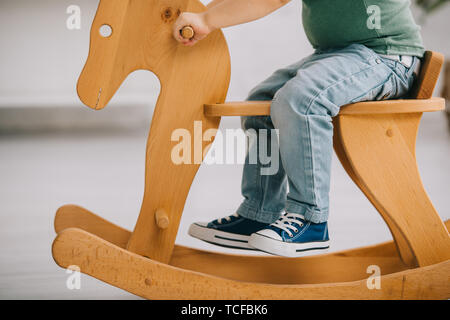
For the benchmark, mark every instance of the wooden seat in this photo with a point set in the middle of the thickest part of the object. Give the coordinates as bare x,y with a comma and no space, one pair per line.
422,102
262,108
375,142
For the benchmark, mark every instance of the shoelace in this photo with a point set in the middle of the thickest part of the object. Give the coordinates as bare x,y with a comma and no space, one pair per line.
286,221
219,221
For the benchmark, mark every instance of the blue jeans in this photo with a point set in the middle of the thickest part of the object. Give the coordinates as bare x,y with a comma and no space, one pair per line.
305,96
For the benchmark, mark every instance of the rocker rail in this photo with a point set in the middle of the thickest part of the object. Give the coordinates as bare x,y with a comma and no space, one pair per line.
348,265
150,279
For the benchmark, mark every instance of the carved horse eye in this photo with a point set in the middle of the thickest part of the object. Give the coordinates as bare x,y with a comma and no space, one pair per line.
105,31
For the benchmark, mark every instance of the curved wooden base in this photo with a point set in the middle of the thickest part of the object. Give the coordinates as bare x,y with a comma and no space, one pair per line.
153,280
99,251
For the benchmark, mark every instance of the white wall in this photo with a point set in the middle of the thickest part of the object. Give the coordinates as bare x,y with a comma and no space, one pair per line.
40,59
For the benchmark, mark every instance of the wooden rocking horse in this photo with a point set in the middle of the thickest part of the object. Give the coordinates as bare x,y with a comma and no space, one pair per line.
375,142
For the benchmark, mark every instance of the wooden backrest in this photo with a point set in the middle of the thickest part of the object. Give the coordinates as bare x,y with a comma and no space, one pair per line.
429,73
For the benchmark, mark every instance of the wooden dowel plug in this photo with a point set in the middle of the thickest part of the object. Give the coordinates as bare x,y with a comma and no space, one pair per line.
187,32
162,220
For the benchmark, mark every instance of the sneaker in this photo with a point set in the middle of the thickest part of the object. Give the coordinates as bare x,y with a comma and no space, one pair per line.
290,236
231,232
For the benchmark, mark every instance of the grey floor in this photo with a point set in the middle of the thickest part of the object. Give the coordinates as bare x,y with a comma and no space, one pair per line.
103,171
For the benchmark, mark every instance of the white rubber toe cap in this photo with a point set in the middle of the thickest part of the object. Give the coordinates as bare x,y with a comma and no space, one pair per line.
202,224
270,234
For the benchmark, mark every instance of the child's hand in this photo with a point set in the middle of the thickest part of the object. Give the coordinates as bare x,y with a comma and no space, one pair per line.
194,20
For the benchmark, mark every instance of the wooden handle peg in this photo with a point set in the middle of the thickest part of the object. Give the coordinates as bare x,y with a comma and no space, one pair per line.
187,32
162,220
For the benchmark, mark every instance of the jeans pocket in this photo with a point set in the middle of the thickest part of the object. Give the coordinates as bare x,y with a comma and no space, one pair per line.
384,91
387,90
403,77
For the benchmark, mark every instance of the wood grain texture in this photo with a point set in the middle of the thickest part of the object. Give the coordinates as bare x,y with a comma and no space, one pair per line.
428,76
73,216
262,108
187,32
349,264
375,142
386,167
189,77
154,280
400,243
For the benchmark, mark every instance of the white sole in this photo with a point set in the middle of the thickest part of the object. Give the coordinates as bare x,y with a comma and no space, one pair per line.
221,238
285,249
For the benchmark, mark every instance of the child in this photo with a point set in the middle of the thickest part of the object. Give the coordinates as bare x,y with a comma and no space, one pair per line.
364,50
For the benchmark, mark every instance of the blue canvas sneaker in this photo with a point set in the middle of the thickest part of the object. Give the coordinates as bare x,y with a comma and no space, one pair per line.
291,235
231,232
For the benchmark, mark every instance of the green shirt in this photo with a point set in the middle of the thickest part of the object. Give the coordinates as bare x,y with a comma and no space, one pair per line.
386,26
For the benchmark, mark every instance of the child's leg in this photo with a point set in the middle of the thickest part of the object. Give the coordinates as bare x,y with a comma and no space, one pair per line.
264,194
302,110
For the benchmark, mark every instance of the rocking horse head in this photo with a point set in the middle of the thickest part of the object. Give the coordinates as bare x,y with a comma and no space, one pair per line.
190,77
140,37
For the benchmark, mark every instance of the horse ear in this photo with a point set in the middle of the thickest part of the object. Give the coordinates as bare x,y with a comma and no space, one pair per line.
100,77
